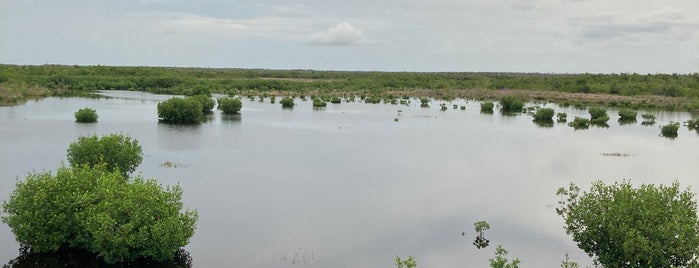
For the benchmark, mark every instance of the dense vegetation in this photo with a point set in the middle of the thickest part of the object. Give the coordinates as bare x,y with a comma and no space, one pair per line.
95,208
118,152
86,115
181,111
59,80
544,115
230,105
623,226
287,102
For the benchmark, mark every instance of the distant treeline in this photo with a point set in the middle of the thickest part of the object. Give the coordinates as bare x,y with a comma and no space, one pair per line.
190,81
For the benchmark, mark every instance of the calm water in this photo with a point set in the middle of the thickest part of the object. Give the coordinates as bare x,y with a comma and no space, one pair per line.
349,187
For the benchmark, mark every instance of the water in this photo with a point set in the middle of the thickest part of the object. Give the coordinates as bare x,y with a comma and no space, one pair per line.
346,186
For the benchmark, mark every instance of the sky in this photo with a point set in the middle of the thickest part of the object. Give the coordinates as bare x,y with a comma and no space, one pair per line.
548,36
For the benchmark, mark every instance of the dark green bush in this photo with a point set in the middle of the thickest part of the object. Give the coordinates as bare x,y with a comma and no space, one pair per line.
86,115
487,106
319,103
337,100
648,118
180,111
90,208
207,103
287,102
424,101
511,104
580,123
627,115
693,124
116,151
230,105
544,114
598,116
273,99
670,130
561,117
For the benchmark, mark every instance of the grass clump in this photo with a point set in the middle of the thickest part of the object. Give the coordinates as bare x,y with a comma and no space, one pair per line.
487,106
580,123
338,100
670,130
544,115
287,102
598,116
207,103
561,117
180,111
86,115
627,115
648,119
693,124
319,103
511,104
230,105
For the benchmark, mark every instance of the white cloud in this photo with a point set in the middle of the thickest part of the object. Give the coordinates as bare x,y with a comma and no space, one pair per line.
343,34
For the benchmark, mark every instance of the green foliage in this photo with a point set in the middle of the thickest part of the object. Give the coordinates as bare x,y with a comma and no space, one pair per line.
230,105
567,263
337,100
561,117
487,106
86,115
648,118
480,241
511,104
180,111
287,102
693,124
598,115
273,99
90,208
623,226
407,263
500,259
117,152
627,114
207,103
580,123
544,115
317,103
443,106
670,130
424,101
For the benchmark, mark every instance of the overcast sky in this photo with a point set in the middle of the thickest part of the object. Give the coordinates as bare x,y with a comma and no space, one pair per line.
559,36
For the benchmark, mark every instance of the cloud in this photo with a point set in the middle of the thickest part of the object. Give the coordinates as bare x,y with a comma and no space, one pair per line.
343,34
671,23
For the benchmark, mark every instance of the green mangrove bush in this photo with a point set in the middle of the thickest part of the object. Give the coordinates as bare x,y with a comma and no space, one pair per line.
230,105
207,103
648,118
338,100
511,104
118,153
180,111
627,115
100,212
317,103
544,115
287,102
598,115
561,117
670,130
86,115
487,106
580,123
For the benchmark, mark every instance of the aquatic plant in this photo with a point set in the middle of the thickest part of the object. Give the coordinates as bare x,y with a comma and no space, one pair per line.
230,105
580,123
273,99
318,103
207,103
648,118
86,115
443,106
627,115
407,263
561,117
670,130
511,104
180,111
487,106
335,100
287,102
544,115
463,108
692,124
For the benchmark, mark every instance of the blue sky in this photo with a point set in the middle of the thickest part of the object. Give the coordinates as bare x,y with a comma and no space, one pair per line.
558,36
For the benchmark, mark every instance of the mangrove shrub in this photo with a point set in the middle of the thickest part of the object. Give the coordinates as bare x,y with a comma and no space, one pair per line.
93,209
670,130
598,115
625,226
207,103
319,103
287,102
544,115
180,111
627,115
229,105
561,117
117,151
580,123
487,106
86,115
511,104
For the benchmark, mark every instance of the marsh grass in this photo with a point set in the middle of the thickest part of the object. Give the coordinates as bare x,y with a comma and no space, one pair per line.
580,123
670,130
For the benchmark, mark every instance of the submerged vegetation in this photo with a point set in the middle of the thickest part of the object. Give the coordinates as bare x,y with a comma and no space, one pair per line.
598,116
580,123
487,106
287,102
670,130
544,115
180,111
511,104
230,105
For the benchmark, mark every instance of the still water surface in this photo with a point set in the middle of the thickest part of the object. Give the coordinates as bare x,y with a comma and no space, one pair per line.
346,186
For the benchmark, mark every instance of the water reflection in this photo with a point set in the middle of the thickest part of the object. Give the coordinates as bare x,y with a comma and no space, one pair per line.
543,123
75,258
174,137
623,122
231,118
